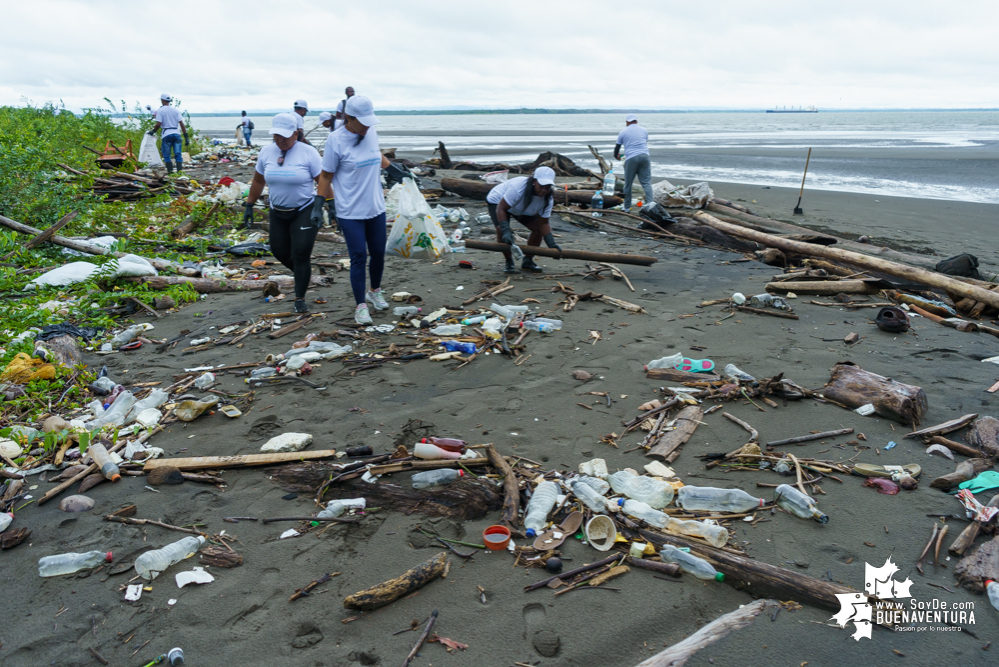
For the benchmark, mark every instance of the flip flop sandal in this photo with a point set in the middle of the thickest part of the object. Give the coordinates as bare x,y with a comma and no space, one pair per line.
556,535
696,365
983,482
875,470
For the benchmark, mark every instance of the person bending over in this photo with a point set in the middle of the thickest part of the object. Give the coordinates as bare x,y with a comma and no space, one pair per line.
529,201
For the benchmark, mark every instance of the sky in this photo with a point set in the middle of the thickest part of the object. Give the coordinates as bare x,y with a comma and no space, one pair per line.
738,54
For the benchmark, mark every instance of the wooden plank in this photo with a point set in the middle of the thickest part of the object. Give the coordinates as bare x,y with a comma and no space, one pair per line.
294,326
204,462
403,466
687,421
946,427
47,234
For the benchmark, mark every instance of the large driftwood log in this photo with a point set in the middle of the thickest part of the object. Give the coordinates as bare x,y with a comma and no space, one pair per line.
984,434
967,469
216,462
192,223
47,234
825,287
668,447
915,274
956,447
853,387
678,654
566,253
981,564
479,190
393,589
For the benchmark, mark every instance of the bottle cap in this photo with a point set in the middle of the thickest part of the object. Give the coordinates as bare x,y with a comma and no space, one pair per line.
719,576
461,473
107,558
989,581
620,502
531,533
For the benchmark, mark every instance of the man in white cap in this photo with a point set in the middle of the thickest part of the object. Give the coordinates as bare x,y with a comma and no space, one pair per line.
635,140
301,107
338,121
326,120
168,120
529,201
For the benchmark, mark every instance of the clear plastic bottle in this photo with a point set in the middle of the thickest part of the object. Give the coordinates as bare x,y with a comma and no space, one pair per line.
478,319
597,204
257,373
429,451
734,373
151,564
441,477
335,508
586,493
652,492
761,300
992,589
690,563
713,534
406,310
116,413
483,219
541,327
518,254
54,566
711,499
5,519
127,336
156,398
610,181
99,454
666,362
205,381
639,510
446,330
507,312
555,324
541,503
797,503
595,483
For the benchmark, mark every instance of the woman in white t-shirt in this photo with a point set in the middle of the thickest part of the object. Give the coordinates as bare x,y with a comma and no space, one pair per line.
529,201
353,163
289,169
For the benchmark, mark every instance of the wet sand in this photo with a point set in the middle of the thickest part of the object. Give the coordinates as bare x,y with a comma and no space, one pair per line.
530,410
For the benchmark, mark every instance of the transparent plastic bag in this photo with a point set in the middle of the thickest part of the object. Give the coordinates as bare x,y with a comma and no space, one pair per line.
148,152
415,234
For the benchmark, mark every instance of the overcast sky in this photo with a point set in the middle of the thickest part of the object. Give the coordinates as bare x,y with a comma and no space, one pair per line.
218,56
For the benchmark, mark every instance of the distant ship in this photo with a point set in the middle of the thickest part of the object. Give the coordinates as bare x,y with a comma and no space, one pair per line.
793,110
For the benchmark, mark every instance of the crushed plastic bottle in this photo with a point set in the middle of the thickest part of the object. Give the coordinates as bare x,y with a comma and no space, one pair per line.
205,381
484,219
446,330
458,346
672,361
492,327
152,564
713,534
652,492
115,414
127,336
190,410
507,312
797,503
540,327
690,563
441,477
99,454
541,503
335,508
590,497
711,499
732,371
102,386
156,398
400,311
54,566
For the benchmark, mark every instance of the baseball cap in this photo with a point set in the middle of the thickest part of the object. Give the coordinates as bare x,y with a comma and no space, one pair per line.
325,116
302,104
283,124
165,98
544,176
361,108
630,117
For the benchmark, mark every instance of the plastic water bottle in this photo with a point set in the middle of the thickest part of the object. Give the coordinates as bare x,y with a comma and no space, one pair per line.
441,477
733,372
586,493
595,483
639,510
713,534
152,563
518,254
457,346
5,520
690,563
99,454
672,361
492,327
483,219
446,330
711,499
507,312
430,452
541,327
797,503
478,319
115,414
127,336
54,566
761,300
652,492
610,182
257,373
597,204
555,324
993,591
541,503
335,508
406,310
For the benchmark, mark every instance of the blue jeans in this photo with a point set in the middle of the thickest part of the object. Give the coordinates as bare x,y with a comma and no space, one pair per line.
174,141
247,133
364,238
640,166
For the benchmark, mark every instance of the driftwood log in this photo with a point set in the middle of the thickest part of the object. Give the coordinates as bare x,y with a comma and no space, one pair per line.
672,569
192,222
826,287
956,447
853,387
566,253
941,429
967,469
984,434
981,564
212,285
511,489
668,446
214,462
479,190
217,556
678,654
393,589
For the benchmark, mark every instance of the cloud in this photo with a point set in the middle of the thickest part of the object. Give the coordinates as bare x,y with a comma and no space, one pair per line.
644,54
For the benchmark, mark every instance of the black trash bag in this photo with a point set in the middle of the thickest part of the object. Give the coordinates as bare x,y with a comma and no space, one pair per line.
249,249
67,329
965,265
656,214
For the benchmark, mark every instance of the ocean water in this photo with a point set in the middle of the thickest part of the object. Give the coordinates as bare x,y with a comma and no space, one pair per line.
923,154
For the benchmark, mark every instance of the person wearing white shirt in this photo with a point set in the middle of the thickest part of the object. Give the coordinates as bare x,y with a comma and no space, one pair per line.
300,109
338,121
247,126
169,122
290,169
529,201
353,163
635,140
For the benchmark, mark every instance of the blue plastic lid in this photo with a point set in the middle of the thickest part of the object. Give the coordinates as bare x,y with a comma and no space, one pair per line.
620,502
530,532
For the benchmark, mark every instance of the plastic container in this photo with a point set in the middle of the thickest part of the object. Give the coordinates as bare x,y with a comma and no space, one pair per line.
601,532
156,398
599,485
690,563
597,204
797,503
711,499
54,566
639,510
610,182
152,563
5,519
102,460
335,508
262,373
469,321
127,336
406,310
446,330
992,589
450,444
483,219
457,346
586,493
115,414
190,410
507,312
666,362
496,538
205,381
733,372
492,327
175,657
713,534
761,300
430,452
441,477
652,492
541,503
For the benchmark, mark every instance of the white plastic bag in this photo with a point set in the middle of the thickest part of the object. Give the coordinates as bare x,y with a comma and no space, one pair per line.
695,195
415,231
496,176
148,152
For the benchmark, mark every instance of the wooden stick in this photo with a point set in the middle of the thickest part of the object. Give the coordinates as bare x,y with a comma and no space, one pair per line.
47,234
678,654
149,522
753,434
491,291
958,447
304,592
771,313
97,655
585,255
797,470
423,638
620,274
586,568
403,466
294,326
393,589
337,519
672,569
202,462
946,427
511,488
808,438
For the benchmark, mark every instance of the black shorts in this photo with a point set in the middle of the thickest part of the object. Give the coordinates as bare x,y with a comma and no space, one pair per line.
522,219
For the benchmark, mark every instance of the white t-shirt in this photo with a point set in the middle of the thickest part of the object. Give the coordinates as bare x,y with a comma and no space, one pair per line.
290,185
300,118
512,192
635,140
246,122
357,174
169,120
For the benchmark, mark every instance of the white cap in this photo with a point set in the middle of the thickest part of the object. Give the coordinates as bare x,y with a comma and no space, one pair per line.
630,118
165,98
544,176
283,124
325,116
302,104
361,108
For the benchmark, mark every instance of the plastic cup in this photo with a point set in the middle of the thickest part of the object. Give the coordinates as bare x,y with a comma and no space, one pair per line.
496,537
601,532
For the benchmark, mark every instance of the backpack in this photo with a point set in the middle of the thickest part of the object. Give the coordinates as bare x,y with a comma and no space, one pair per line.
965,265
251,125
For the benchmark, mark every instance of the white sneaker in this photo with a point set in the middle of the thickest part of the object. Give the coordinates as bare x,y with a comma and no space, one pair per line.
375,298
361,315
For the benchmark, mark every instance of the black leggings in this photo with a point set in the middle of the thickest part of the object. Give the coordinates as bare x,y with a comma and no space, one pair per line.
292,238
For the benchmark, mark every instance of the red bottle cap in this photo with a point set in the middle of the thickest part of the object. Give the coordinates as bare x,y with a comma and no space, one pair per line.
107,558
461,473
